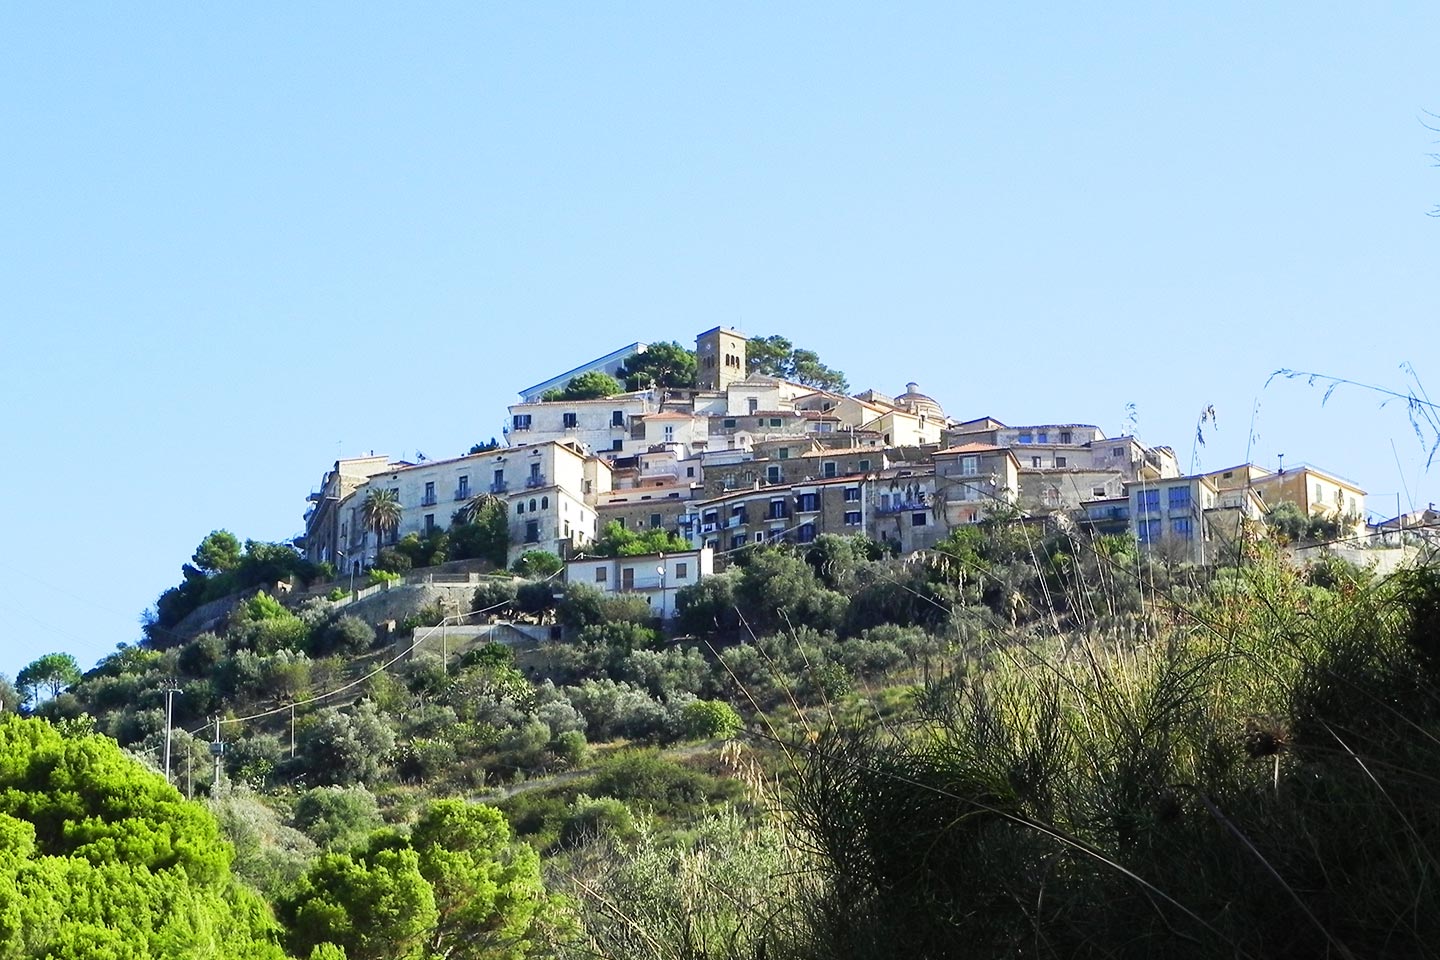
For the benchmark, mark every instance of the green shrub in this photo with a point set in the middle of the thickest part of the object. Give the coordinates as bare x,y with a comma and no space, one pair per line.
710,719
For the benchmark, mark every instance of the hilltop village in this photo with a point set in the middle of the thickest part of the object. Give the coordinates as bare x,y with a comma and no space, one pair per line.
743,458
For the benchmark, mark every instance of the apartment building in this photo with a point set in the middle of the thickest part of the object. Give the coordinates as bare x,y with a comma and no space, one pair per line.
1316,492
322,519
1168,517
549,491
613,426
974,480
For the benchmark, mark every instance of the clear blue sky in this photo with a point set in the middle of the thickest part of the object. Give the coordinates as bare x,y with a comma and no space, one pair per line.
242,239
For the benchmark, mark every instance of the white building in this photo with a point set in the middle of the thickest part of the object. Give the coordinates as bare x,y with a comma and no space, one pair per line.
656,577
549,491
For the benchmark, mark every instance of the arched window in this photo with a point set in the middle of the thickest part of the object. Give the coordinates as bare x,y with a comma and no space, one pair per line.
544,503
532,506
520,507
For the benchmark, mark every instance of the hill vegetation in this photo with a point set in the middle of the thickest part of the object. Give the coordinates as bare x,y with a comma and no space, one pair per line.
1029,740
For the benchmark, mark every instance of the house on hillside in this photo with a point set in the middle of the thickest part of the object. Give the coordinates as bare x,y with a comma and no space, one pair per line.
655,577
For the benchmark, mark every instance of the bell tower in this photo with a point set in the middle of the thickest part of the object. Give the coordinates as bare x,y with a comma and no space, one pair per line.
720,358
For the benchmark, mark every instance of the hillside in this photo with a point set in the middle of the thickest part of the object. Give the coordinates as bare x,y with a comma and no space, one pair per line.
858,747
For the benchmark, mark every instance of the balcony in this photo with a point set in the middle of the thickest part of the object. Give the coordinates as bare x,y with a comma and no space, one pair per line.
429,500
535,480
499,486
462,493
902,506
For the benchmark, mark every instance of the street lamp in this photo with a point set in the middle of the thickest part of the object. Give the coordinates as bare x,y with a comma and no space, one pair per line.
661,570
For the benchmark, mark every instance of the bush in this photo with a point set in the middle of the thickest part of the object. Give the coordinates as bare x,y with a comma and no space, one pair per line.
535,597
337,818
709,720
534,564
492,594
592,818
392,560
346,634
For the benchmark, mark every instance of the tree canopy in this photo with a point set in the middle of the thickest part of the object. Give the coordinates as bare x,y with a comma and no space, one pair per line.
775,356
100,857
593,385
47,677
665,365
617,540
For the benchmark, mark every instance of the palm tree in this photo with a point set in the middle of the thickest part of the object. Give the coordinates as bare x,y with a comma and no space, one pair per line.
477,504
381,512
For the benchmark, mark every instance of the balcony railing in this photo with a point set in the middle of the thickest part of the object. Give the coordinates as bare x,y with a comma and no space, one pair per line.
499,486
462,493
901,506
429,500
535,480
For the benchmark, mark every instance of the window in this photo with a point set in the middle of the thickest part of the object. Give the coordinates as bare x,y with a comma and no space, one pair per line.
1066,437
689,471
1228,474
1060,461
737,541
806,533
778,510
1117,452
654,519
1181,527
1042,437
669,433
1148,530
429,523
772,474
532,531
532,506
429,500
969,466
569,420
627,578
463,489
682,571
729,422
617,445
828,468
617,418
520,507
852,494
602,575
544,503
864,466
774,421
1024,438
783,453
1035,462
807,502
917,519
852,518
534,472
1319,497
1097,491
1179,498
1147,501
521,421
752,404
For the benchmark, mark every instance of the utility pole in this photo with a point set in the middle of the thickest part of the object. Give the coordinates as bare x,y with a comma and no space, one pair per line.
217,747
292,731
170,690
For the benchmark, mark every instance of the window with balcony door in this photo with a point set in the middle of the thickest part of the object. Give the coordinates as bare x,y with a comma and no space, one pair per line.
969,466
569,420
